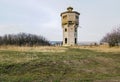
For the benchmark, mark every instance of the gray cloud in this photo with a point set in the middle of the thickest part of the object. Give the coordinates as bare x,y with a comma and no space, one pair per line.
43,17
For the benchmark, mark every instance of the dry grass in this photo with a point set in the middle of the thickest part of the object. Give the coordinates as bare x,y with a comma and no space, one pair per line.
58,48
100,49
34,49
59,64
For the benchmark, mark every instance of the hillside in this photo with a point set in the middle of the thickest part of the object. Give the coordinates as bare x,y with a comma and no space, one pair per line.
58,64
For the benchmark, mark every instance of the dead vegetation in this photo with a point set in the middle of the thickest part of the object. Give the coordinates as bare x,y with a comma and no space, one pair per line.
100,48
58,64
34,49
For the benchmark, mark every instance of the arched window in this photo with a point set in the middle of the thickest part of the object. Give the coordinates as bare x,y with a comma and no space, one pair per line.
77,17
75,41
75,29
65,29
65,40
64,17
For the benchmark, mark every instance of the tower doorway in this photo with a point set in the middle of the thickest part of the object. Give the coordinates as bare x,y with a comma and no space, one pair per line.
65,40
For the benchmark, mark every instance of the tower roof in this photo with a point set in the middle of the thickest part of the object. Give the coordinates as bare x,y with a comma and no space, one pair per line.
69,8
70,11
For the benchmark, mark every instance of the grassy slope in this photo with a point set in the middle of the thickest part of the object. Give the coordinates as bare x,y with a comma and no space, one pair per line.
79,65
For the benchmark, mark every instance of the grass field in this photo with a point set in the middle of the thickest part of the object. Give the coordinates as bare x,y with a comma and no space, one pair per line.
59,64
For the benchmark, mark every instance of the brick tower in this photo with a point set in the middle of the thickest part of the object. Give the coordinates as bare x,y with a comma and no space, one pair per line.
70,23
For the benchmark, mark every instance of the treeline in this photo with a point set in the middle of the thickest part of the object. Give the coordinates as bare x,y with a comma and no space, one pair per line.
23,39
112,38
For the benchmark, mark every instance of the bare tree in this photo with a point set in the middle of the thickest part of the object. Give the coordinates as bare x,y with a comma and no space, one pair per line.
23,39
113,38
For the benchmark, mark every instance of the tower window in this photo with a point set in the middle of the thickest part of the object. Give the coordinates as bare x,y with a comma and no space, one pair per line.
77,17
65,40
75,29
75,41
64,17
65,29
69,22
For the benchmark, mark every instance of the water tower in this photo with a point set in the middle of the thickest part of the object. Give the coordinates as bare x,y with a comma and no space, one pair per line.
70,23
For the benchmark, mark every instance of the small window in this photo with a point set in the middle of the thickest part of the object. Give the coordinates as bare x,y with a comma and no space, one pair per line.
77,17
65,29
65,40
70,21
75,29
75,41
64,17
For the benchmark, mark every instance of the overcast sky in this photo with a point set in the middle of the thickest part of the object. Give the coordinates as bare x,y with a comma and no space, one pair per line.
42,17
